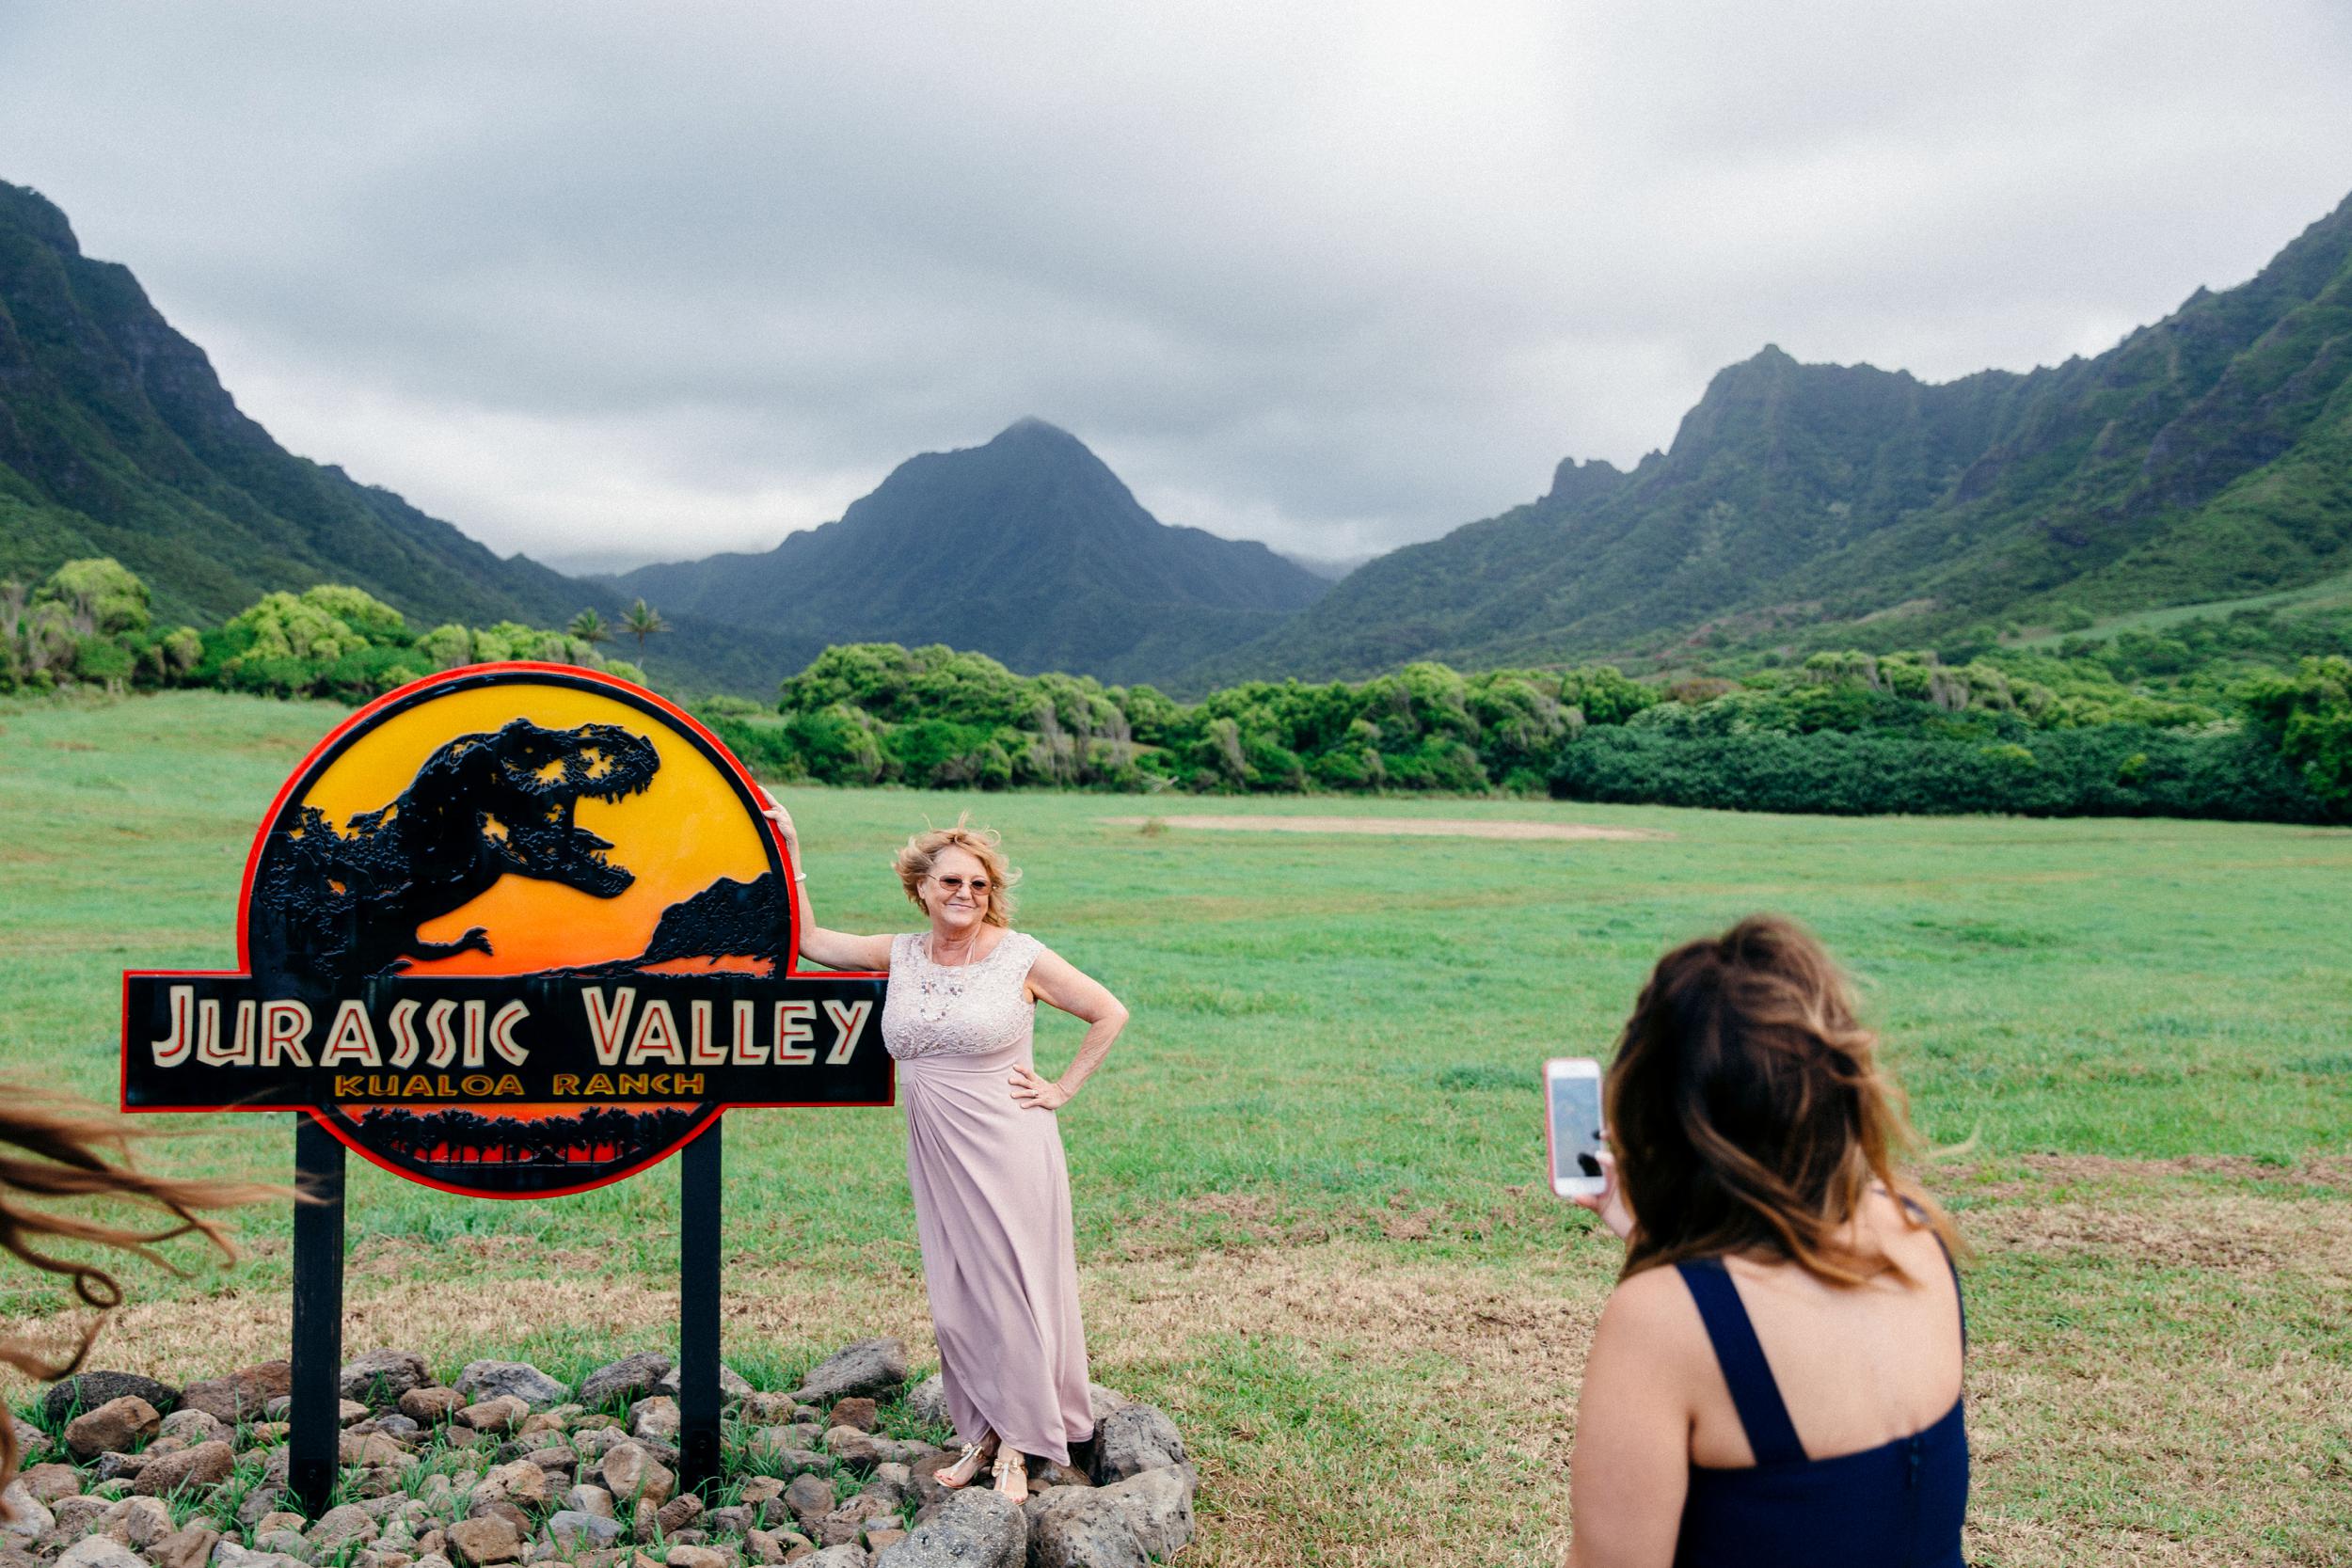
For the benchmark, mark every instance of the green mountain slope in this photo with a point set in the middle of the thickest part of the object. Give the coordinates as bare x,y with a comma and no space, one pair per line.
1027,549
116,438
2205,457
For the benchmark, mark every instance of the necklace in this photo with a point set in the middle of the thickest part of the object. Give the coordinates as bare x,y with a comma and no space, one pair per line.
938,986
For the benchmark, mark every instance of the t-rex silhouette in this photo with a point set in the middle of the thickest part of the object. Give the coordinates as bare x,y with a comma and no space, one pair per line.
332,905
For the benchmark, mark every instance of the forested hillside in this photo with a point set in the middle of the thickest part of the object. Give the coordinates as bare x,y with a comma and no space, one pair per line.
116,439
2204,458
1027,549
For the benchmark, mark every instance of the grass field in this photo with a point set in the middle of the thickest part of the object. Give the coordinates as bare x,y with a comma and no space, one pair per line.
1306,1182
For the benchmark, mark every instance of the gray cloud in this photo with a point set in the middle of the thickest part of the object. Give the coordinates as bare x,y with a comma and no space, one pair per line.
630,281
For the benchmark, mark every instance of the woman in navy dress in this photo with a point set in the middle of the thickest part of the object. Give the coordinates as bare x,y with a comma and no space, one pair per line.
1776,1379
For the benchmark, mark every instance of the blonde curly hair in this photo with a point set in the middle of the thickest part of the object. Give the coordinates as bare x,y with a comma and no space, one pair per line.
922,851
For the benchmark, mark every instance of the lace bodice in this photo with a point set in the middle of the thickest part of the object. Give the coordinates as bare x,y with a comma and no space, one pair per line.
961,1010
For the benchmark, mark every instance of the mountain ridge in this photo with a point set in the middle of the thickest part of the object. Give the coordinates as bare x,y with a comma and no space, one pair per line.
118,438
2205,455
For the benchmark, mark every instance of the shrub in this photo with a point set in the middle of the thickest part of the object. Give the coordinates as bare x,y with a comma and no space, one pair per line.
2116,770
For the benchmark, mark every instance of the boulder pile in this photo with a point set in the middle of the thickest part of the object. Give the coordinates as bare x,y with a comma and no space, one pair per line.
504,1463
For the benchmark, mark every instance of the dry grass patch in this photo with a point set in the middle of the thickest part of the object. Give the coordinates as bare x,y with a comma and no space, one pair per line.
1392,827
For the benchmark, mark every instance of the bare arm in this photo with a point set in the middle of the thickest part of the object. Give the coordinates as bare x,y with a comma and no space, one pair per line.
1631,1467
1056,980
834,949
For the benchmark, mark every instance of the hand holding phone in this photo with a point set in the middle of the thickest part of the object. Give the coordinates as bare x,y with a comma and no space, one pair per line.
1577,1145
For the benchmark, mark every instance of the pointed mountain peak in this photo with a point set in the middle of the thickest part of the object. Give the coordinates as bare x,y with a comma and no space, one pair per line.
1029,428
28,207
1574,483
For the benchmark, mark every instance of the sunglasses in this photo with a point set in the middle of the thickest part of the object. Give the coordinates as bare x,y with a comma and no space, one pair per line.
957,884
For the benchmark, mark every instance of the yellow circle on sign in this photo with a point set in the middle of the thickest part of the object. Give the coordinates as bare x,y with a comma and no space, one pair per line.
687,830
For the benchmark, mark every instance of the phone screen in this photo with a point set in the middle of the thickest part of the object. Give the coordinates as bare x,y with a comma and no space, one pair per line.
1576,1137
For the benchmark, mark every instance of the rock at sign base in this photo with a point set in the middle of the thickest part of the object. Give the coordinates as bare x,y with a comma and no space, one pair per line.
241,1393
809,1499
971,1530
656,1416
27,1517
478,1543
570,1529
138,1522
1143,1519
699,1556
192,1427
586,1499
835,1557
484,1380
346,1522
732,1385
111,1428
229,1555
89,1391
31,1442
678,1512
100,1551
1132,1439
874,1367
500,1413
49,1482
205,1464
857,1412
431,1406
189,1546
632,1473
630,1378
926,1401
1101,1401
379,1377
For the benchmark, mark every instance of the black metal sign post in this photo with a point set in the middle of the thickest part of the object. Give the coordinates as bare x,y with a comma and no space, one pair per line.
633,980
698,1310
312,1452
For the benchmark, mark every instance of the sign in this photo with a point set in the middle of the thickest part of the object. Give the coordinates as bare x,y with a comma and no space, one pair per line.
513,930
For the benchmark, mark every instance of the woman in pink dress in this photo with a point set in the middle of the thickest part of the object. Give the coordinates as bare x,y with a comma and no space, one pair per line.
984,1156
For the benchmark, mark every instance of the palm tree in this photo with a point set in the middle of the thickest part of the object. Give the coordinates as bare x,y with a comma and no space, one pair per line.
641,622
589,629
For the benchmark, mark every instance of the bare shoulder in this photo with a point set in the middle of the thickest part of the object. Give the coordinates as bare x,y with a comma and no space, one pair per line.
1651,1314
1908,1241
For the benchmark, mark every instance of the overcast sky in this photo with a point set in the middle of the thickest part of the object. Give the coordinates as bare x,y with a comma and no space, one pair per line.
645,282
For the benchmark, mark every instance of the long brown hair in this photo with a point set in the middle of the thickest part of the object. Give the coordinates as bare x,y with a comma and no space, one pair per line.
1749,1112
53,1149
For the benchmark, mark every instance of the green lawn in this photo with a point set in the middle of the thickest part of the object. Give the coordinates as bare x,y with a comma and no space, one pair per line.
1304,1178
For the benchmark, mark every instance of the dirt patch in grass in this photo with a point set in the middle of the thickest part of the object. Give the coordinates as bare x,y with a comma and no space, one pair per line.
1399,827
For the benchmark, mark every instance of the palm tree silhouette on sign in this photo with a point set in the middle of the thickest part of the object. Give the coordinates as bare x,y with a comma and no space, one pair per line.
644,621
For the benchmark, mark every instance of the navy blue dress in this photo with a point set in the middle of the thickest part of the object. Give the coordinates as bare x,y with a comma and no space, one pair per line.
1899,1505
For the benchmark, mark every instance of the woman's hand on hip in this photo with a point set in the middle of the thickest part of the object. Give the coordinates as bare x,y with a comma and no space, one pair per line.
1033,1093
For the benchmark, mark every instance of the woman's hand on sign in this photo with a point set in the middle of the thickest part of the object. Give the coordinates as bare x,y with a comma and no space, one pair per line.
1033,1093
1609,1203
775,813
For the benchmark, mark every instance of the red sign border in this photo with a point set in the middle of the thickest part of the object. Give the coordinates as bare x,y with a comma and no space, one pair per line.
361,718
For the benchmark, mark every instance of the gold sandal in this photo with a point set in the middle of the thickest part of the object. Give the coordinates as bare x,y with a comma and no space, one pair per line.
971,1451
1012,1476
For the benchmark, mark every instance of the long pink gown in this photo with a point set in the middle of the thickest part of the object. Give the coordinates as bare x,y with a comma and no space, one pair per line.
992,1199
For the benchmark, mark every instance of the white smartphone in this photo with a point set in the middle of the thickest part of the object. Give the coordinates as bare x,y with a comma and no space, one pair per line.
1572,1129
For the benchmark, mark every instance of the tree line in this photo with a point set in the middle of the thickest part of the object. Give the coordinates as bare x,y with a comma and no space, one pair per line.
2080,732
91,622
2245,716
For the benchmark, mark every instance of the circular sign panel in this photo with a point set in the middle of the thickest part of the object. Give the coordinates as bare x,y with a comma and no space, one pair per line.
514,930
